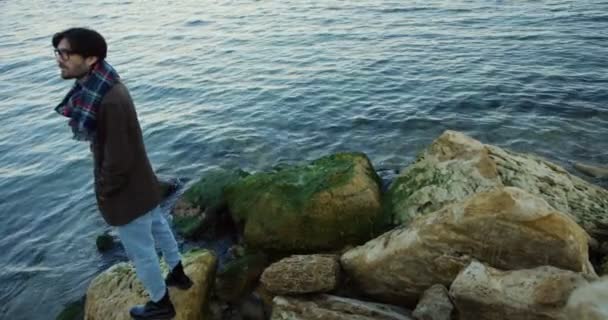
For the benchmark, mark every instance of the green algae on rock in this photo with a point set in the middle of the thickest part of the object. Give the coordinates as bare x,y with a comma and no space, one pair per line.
209,190
203,198
326,204
72,311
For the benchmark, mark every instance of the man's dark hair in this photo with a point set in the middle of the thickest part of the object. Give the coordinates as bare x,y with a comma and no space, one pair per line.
85,42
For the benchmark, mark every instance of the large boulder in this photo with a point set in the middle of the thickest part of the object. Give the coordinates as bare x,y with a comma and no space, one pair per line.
452,168
197,212
484,293
589,302
325,205
329,307
187,219
456,166
112,293
507,228
208,191
302,274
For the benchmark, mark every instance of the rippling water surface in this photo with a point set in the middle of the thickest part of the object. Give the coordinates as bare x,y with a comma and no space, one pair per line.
257,83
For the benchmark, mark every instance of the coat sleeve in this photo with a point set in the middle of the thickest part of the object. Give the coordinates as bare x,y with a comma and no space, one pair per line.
118,155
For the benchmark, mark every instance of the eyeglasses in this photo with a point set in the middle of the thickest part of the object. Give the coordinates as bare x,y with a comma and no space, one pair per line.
63,54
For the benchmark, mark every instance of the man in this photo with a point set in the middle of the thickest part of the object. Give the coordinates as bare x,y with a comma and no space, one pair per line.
101,112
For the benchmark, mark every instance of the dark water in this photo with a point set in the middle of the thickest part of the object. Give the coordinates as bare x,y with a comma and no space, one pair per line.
256,83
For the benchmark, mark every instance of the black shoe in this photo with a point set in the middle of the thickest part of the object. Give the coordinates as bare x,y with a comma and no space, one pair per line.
177,278
161,310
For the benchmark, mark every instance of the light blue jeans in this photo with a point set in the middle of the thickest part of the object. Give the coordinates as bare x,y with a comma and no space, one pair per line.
138,237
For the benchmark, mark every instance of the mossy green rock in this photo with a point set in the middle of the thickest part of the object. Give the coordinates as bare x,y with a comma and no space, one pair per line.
327,204
188,226
206,194
72,311
456,166
104,242
209,190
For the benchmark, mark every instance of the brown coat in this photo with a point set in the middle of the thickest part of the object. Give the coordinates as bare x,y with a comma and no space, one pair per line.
125,184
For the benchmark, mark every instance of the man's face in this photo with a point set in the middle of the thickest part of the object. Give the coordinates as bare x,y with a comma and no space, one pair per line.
72,65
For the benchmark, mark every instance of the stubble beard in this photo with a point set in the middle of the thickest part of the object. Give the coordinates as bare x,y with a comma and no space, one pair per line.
76,73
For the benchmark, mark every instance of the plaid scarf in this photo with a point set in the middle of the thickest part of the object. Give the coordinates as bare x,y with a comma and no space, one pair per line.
81,104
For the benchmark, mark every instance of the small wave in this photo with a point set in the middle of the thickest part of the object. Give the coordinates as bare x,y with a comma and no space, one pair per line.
602,18
362,120
529,37
594,37
402,10
196,23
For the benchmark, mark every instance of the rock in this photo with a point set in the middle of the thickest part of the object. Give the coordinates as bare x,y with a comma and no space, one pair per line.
452,168
104,242
237,251
265,296
112,293
593,171
604,268
589,302
240,276
507,228
456,166
187,219
328,307
603,249
200,212
302,274
325,205
484,293
248,308
72,311
209,190
168,187
434,305
216,310
252,308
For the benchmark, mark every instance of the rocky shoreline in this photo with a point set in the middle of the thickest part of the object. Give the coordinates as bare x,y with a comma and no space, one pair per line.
468,231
